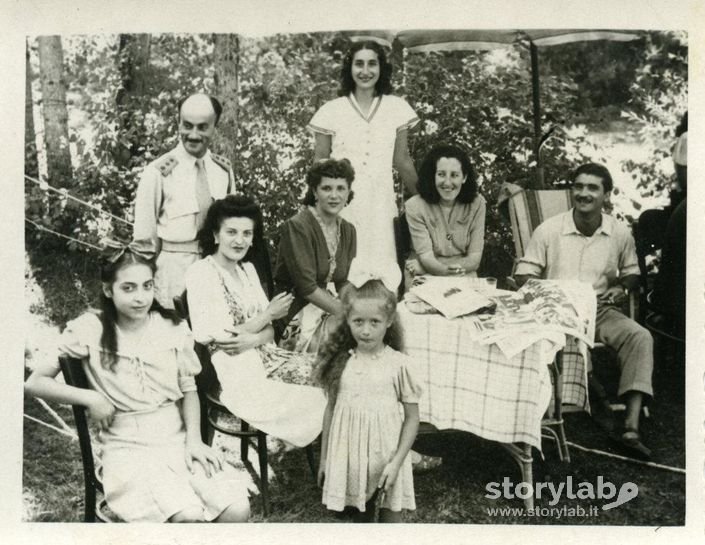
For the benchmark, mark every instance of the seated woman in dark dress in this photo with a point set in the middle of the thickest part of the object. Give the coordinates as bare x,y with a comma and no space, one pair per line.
316,247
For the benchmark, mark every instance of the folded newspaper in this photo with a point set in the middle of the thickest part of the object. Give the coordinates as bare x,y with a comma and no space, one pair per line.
560,306
452,296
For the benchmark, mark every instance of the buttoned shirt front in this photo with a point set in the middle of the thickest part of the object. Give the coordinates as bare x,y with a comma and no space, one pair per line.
557,250
432,235
166,207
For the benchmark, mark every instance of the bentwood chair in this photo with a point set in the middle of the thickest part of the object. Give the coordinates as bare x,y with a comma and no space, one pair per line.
95,508
650,235
216,417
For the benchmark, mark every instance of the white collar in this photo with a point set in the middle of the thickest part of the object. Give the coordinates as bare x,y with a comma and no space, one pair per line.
185,157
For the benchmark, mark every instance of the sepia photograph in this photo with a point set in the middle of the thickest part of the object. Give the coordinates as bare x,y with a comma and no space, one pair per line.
225,231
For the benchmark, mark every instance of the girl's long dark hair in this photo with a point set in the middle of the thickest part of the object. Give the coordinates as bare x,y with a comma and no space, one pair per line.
108,314
334,354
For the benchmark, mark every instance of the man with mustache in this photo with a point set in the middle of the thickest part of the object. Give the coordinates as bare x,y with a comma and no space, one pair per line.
585,244
175,192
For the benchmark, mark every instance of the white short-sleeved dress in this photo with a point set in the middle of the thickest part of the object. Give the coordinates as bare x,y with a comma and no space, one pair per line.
144,470
368,142
365,429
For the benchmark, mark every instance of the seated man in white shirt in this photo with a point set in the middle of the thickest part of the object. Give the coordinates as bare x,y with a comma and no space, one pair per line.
585,244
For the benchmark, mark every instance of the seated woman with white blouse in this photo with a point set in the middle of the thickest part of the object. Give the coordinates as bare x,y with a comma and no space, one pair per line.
447,218
231,316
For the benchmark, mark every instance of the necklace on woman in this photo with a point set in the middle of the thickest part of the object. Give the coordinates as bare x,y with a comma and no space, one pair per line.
331,233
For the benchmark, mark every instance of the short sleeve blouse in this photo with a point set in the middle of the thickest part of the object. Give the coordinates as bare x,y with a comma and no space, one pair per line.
430,233
150,372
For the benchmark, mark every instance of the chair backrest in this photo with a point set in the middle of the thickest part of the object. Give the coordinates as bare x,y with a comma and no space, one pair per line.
649,235
207,380
402,240
74,375
529,208
263,266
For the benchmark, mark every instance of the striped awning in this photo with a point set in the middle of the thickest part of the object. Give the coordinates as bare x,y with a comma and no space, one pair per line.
424,40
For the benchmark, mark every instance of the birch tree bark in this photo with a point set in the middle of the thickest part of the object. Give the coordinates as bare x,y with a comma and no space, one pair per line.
31,167
54,111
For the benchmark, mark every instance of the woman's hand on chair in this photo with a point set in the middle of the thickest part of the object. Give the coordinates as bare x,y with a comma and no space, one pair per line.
210,459
279,305
101,411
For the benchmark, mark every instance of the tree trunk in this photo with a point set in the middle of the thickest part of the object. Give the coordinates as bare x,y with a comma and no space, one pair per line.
56,127
226,77
31,167
133,60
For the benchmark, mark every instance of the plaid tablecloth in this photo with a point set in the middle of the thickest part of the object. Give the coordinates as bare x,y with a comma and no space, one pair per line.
476,388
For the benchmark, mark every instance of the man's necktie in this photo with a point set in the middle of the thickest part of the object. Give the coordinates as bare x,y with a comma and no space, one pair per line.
203,192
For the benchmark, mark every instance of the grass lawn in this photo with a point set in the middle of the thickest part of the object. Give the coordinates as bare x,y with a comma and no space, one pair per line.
454,492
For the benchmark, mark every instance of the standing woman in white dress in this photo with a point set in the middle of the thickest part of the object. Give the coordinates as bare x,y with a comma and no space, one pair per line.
368,126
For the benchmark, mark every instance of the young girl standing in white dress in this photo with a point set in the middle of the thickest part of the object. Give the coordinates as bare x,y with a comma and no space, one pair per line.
140,364
368,126
365,443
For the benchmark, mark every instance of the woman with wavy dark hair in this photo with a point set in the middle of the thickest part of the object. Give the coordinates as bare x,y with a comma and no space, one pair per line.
316,247
231,316
368,125
447,218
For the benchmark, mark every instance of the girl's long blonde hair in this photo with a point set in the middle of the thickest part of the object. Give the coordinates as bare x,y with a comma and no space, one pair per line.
336,350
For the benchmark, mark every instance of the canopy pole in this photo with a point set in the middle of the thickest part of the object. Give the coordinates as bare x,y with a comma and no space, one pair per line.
397,59
536,100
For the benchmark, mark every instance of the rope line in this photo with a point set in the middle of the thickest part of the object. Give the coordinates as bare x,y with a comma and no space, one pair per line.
54,414
627,458
64,193
63,432
620,457
42,228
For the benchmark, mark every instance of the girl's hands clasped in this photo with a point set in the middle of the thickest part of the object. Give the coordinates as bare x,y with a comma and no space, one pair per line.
210,459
